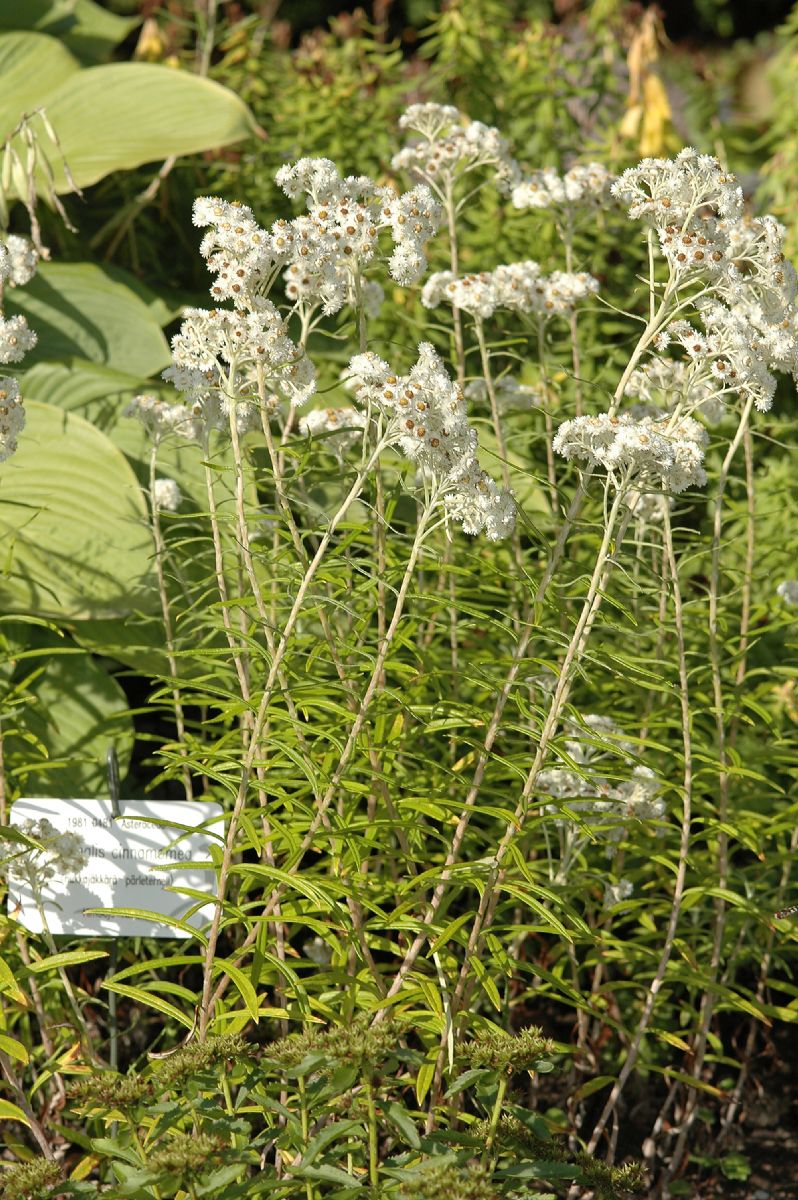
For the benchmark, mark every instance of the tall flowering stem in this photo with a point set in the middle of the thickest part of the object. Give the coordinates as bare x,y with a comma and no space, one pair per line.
257,730
166,616
684,846
708,999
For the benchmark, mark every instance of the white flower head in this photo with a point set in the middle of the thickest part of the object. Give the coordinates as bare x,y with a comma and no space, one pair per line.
661,453
519,287
166,495
16,339
63,854
316,178
788,591
327,251
161,419
19,259
428,420
585,186
224,356
450,146
674,191
240,254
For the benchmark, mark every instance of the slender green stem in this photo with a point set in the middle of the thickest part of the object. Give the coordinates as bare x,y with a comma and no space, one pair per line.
487,1154
374,1162
305,1127
257,729
684,846
166,615
454,263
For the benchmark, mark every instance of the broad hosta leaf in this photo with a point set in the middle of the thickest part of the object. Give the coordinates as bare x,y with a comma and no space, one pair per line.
73,523
89,31
101,394
96,392
25,60
79,711
119,116
80,310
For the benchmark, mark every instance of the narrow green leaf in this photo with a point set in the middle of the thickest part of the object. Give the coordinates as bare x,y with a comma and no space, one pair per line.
152,1001
13,1048
67,958
398,1115
11,1112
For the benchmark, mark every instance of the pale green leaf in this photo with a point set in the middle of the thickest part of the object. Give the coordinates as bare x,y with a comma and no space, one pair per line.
85,28
68,958
25,60
141,996
13,1048
73,523
122,115
81,310
78,710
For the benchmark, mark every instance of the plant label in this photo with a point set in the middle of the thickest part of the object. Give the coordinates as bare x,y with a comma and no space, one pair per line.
140,860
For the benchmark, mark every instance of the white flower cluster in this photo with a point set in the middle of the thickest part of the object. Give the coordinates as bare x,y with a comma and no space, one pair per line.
166,495
450,146
18,262
589,793
695,252
427,419
161,419
730,354
12,416
510,394
584,186
16,339
323,253
329,248
759,276
648,508
788,590
221,358
237,251
746,290
62,854
341,428
519,287
678,191
19,259
665,453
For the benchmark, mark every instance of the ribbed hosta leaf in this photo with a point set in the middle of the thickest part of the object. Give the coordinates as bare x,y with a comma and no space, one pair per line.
25,60
121,115
85,28
77,712
73,523
81,310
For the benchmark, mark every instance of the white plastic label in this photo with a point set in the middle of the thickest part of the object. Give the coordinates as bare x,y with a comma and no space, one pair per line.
119,855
